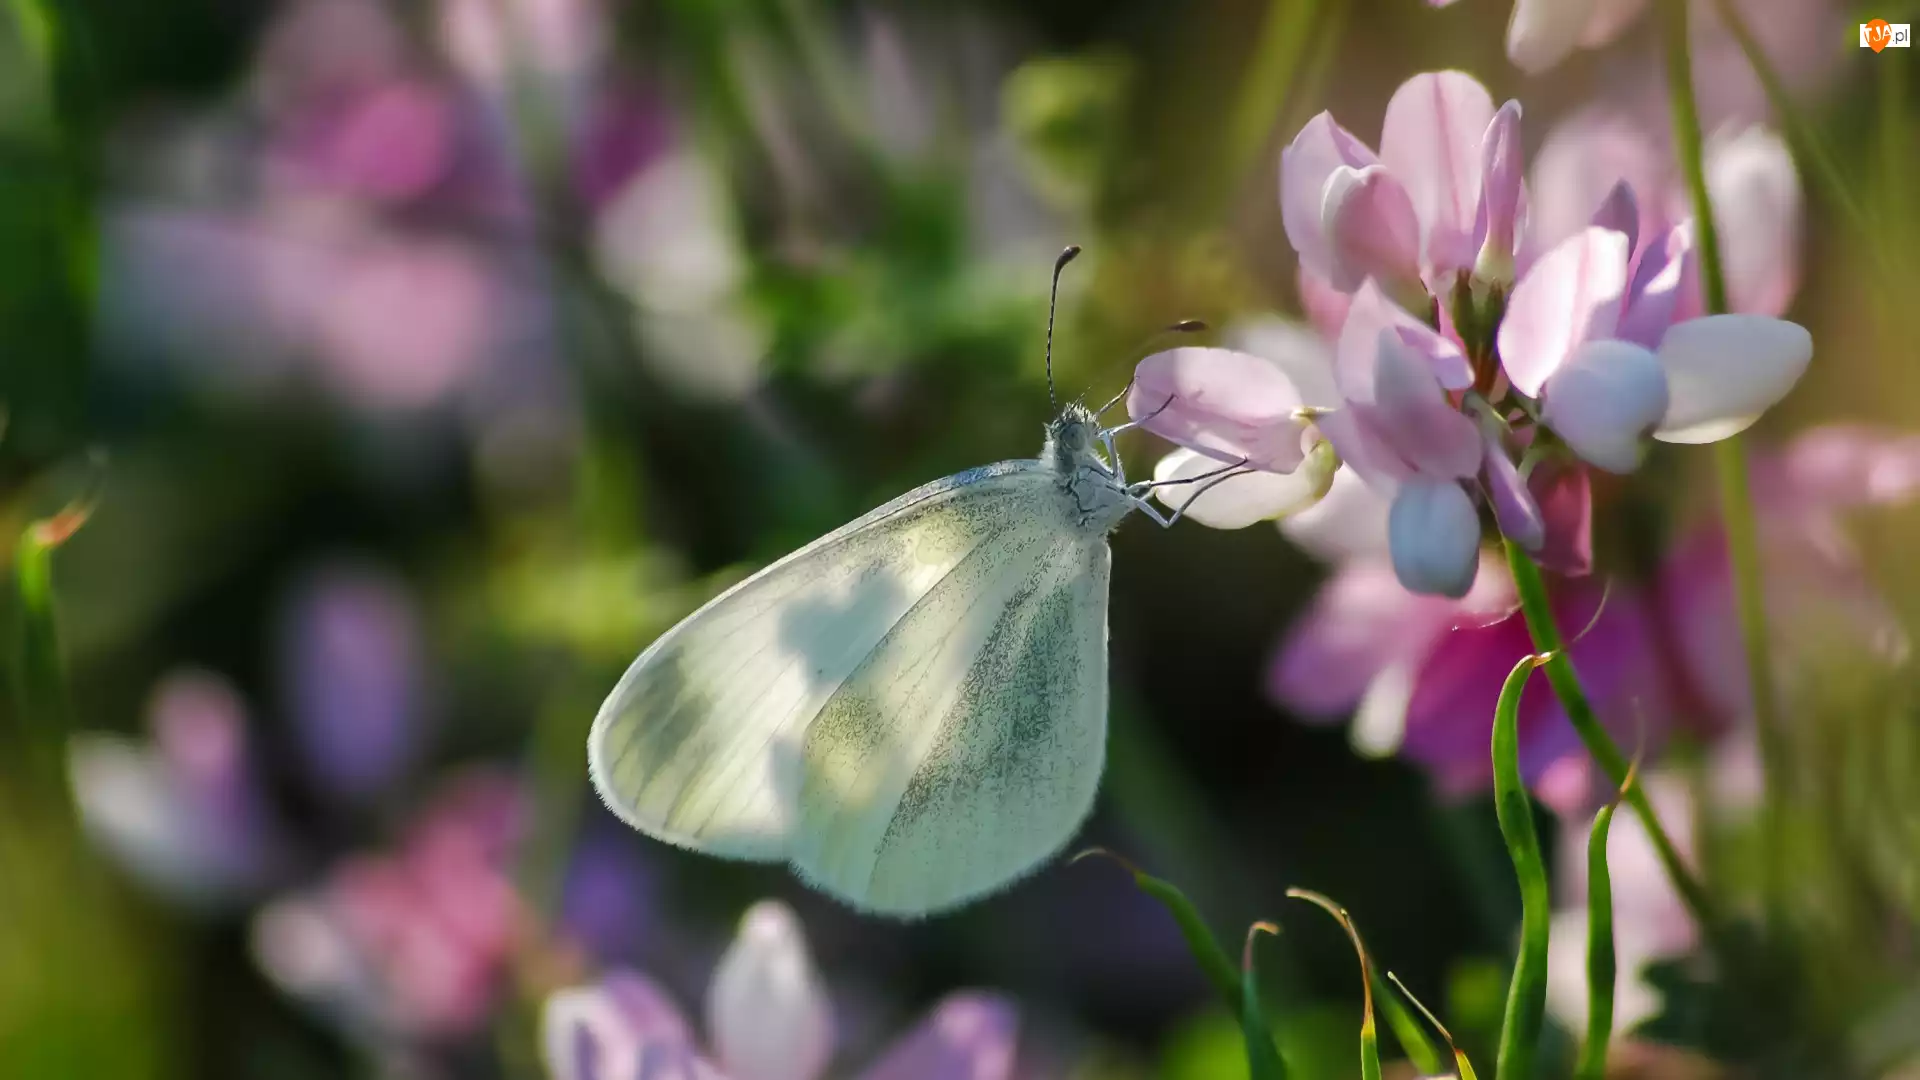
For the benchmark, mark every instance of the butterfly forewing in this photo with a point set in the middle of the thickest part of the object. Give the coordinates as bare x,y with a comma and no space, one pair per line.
699,744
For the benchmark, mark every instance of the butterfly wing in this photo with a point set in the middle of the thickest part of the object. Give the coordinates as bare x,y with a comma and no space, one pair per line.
967,747
700,744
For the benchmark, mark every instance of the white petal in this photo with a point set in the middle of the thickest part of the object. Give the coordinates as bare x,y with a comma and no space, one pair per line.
1723,371
1351,522
1433,534
1245,499
1605,400
766,1011
1380,720
1543,32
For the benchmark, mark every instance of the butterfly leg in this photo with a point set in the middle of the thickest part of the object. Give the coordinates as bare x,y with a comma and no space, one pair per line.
1207,481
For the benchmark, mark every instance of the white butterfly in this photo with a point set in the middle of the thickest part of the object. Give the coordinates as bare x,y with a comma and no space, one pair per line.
911,710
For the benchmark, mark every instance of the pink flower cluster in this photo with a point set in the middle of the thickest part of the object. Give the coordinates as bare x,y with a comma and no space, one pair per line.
1474,367
768,1018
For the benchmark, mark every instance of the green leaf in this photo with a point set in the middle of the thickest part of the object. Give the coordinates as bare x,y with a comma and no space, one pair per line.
1461,1066
39,677
1237,988
1406,1028
1263,1060
1527,994
1600,954
1369,1035
1213,960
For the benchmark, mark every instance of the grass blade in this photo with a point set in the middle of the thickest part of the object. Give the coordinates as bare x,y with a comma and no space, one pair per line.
1263,1059
1527,995
1462,1068
1369,1035
1602,965
1212,958
1406,1028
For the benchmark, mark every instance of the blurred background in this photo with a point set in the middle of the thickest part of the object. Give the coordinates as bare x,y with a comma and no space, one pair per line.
407,365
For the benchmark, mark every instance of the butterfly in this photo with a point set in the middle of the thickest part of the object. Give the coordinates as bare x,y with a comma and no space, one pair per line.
911,711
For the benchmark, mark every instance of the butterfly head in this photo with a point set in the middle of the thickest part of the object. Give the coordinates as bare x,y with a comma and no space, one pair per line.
1072,436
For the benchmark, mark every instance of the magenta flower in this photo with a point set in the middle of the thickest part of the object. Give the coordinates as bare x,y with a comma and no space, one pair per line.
1453,383
1419,674
767,1019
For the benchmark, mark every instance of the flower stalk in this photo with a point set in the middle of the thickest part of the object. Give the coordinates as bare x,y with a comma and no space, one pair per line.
1729,459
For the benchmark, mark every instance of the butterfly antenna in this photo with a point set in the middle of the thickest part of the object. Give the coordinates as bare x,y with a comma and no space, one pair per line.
1053,301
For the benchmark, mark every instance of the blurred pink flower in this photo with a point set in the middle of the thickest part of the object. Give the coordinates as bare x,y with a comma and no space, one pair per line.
1420,674
1796,35
183,813
1589,158
359,222
413,944
767,1018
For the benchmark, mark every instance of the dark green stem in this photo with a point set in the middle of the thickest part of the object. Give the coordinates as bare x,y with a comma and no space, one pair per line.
1527,996
1601,962
1730,463
1565,681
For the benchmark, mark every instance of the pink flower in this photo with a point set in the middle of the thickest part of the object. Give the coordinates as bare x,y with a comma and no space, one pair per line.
1446,367
416,943
1420,673
1444,186
767,1019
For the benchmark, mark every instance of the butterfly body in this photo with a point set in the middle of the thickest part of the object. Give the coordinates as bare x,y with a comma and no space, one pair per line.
911,711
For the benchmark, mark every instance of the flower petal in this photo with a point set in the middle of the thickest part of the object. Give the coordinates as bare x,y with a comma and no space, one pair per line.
1572,295
1321,147
1583,162
1431,141
1723,371
1361,622
1349,522
1514,510
767,1013
1371,232
1544,32
1564,492
1357,352
1605,401
1756,203
1243,500
1620,211
969,1036
1433,533
1301,353
597,1032
1503,172
1225,404
1665,288
1416,418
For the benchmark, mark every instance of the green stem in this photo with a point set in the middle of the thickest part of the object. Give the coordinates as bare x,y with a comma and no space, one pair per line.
1527,996
1601,960
1565,681
1805,136
1730,464
1273,70
40,683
